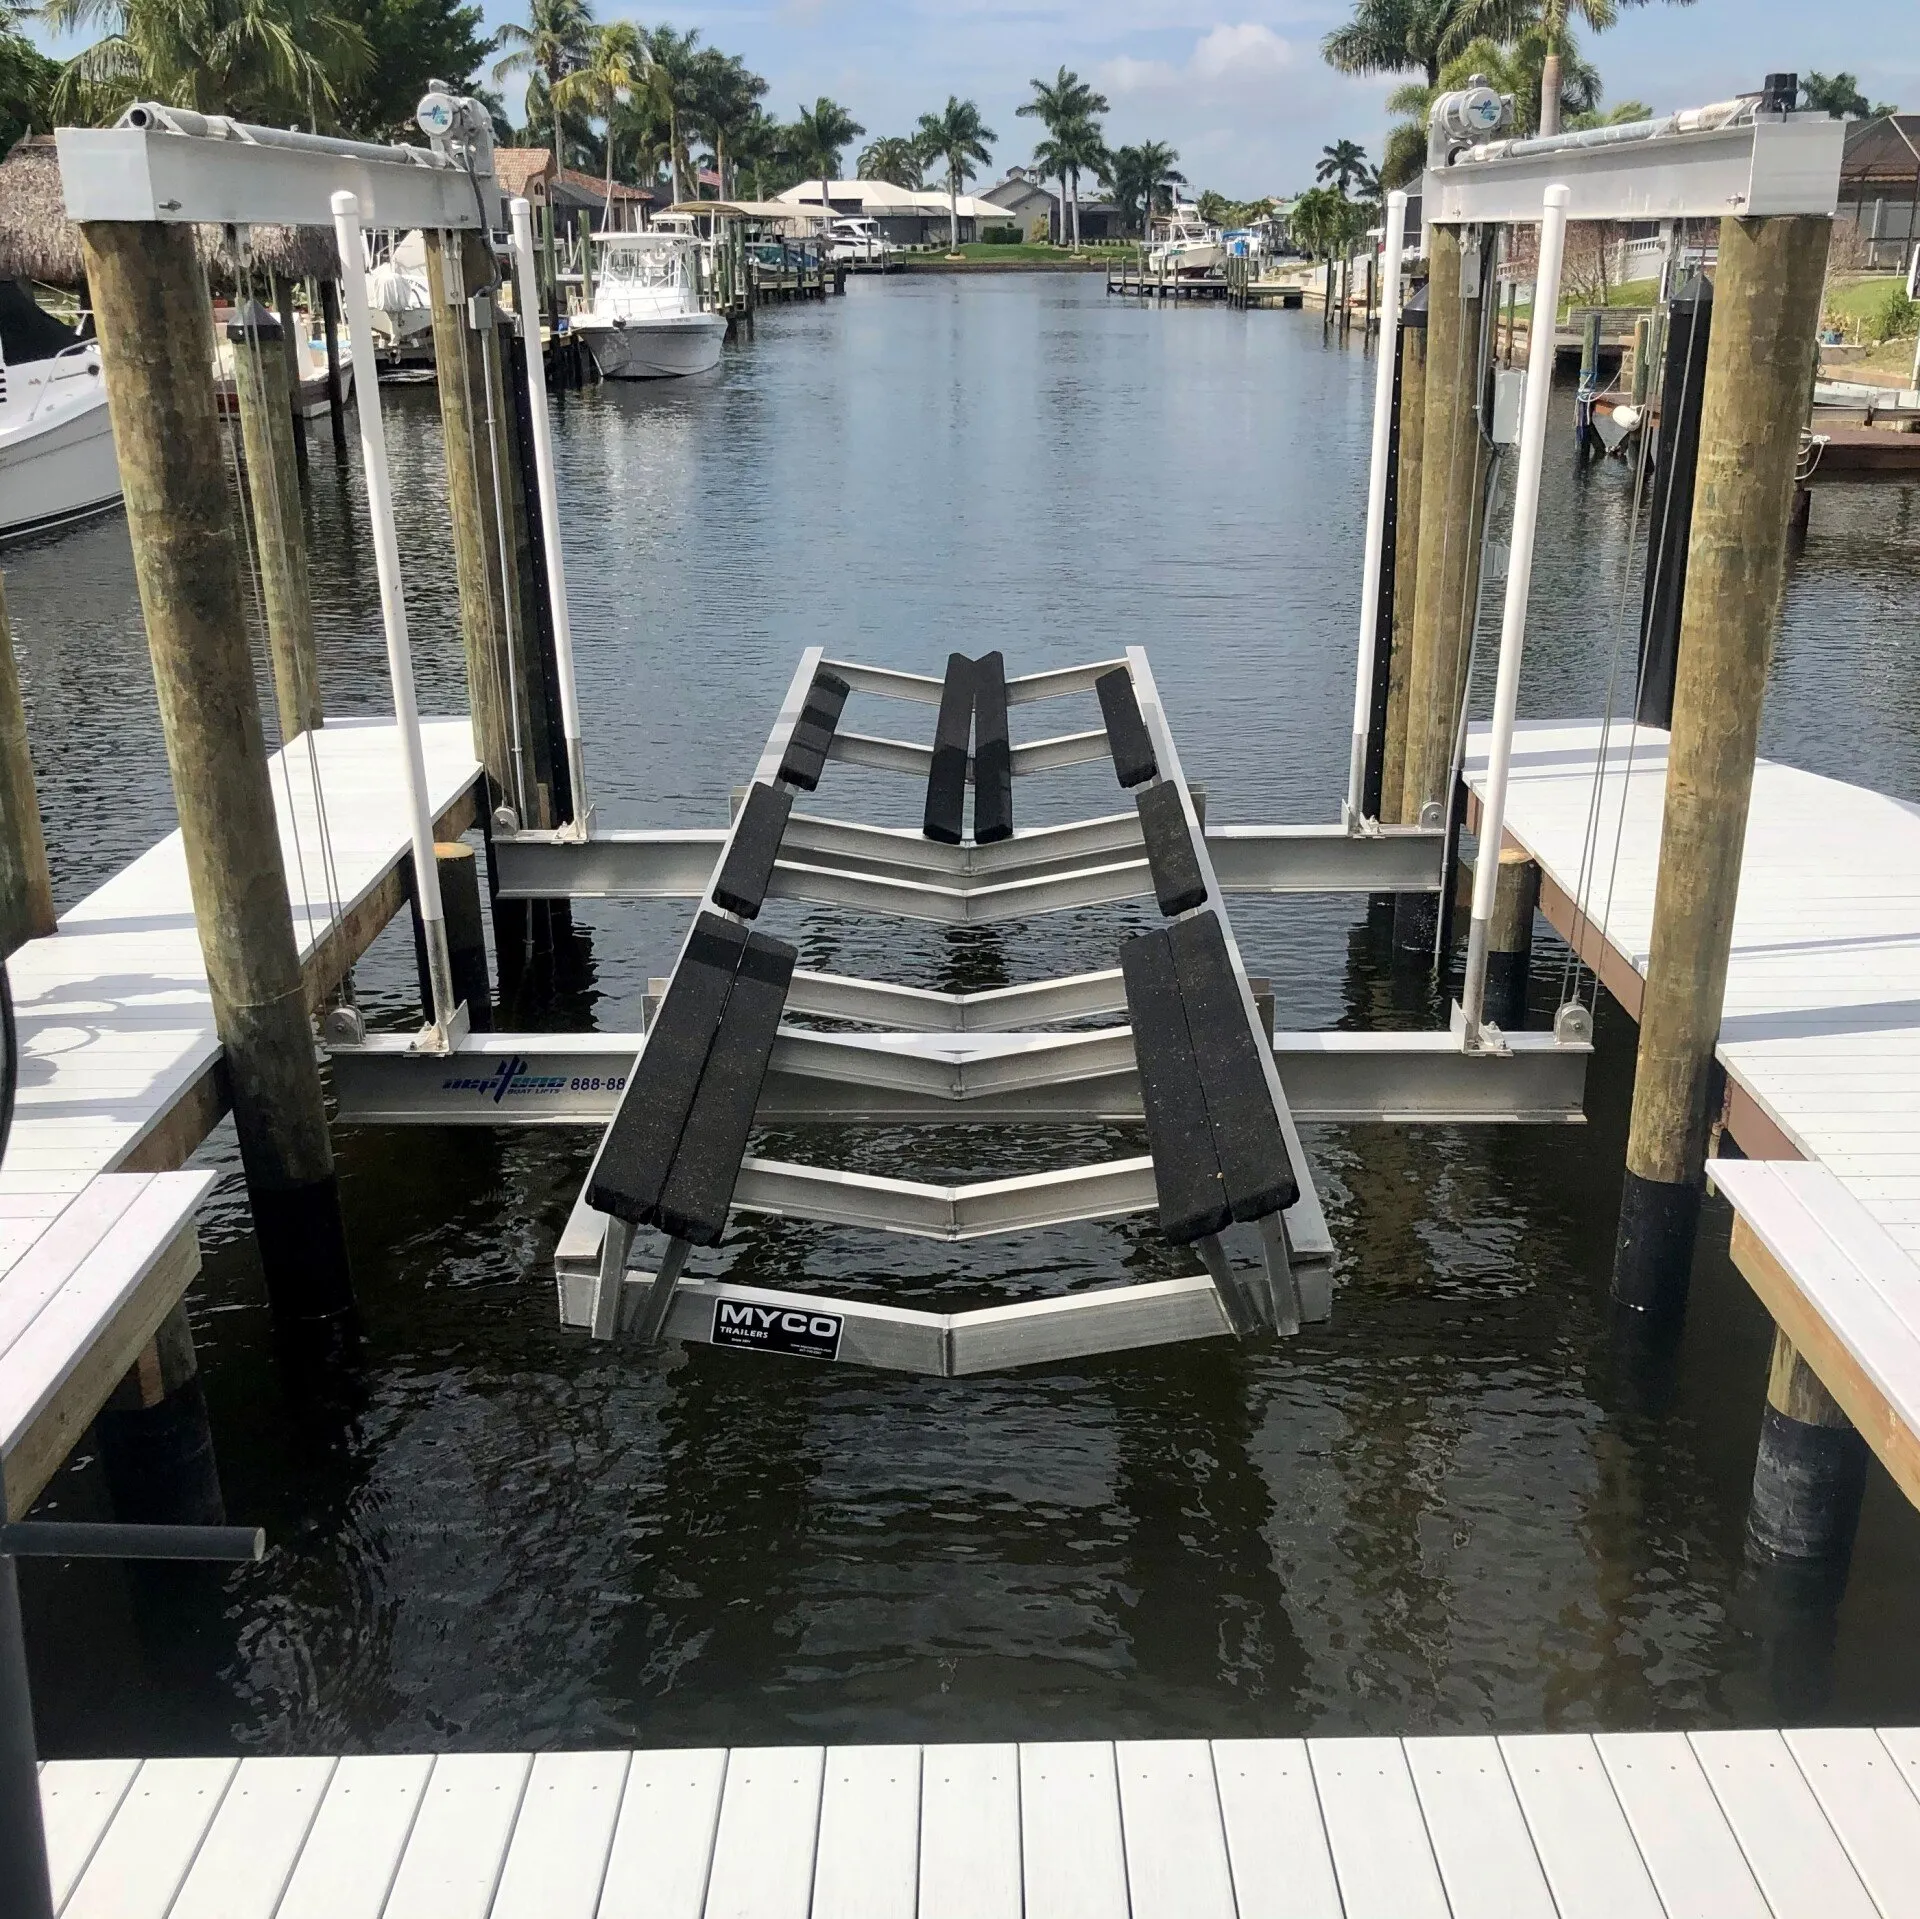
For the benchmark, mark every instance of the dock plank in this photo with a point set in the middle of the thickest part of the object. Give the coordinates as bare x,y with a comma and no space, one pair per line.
459,1839
557,1859
1478,1832
1580,1834
77,1802
769,1821
1073,1859
1693,1858
1790,1847
663,1845
353,1850
970,1833
1276,1843
1175,1839
247,1857
1870,1808
138,1866
867,1864
1375,1830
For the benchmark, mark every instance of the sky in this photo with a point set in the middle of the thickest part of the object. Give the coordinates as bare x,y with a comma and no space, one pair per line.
1243,95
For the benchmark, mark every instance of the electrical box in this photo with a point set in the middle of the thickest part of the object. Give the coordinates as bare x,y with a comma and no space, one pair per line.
1509,389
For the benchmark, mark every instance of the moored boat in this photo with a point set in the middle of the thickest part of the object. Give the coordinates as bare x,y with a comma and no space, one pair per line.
647,321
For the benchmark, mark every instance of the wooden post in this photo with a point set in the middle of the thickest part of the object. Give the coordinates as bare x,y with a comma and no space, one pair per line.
1510,940
466,943
1447,565
26,886
296,367
1811,1469
1584,434
585,228
1406,548
155,1442
1759,365
1642,341
155,326
273,489
336,402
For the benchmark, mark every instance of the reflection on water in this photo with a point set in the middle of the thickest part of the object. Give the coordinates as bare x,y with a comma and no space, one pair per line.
1458,1505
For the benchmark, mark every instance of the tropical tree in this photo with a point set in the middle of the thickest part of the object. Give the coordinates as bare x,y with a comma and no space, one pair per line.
409,42
1134,177
615,65
1514,70
895,159
1069,108
552,44
956,135
818,135
1402,36
726,97
1511,21
1341,165
268,60
27,80
1839,94
761,144
673,88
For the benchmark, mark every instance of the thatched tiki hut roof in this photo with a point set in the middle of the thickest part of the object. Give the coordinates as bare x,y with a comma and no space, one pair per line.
39,242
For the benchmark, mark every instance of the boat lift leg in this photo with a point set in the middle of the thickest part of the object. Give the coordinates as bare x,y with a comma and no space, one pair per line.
652,1322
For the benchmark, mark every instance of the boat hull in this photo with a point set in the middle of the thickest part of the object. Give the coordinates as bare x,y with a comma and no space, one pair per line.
62,471
667,348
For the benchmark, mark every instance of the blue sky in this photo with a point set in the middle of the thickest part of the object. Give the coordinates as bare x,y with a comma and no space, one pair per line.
1242,94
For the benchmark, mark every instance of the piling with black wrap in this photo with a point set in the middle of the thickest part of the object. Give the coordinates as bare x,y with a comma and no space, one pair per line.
1510,940
150,304
1759,361
1811,1469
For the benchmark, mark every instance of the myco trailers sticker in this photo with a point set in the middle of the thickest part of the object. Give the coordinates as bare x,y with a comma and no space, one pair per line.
776,1329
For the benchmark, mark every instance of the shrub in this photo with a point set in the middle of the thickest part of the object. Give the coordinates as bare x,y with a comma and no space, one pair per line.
1897,316
1001,236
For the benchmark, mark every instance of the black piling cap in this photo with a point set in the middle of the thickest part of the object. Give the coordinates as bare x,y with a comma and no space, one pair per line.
1696,292
1413,310
1780,93
253,322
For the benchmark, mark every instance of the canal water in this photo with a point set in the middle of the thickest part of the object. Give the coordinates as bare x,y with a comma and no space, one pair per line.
1461,1505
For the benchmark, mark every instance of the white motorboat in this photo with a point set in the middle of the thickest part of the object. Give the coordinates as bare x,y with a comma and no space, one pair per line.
1187,244
859,242
56,442
647,322
400,311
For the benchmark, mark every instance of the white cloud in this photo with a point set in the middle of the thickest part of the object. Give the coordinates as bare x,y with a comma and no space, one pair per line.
1224,59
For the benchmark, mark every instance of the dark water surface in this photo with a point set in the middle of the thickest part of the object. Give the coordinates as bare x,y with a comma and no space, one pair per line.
1457,1506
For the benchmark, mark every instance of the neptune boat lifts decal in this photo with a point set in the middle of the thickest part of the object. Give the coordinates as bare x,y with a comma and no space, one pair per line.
514,1079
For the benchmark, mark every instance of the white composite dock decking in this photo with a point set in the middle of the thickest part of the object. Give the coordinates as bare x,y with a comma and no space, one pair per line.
1820,1824
118,1085
1820,1036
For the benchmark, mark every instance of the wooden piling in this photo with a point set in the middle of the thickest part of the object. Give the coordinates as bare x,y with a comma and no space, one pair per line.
466,941
1406,549
1447,564
584,228
1637,384
1811,1469
150,304
273,492
296,363
1510,940
1759,363
336,400
155,1441
26,885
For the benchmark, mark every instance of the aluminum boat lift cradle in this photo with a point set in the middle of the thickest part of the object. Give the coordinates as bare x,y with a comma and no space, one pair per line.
939,1058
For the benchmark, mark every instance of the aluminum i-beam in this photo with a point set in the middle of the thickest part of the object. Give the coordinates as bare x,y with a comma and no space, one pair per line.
678,863
960,1077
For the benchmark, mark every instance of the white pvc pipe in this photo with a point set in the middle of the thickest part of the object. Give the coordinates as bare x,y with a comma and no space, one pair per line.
1513,619
393,605
1389,357
527,304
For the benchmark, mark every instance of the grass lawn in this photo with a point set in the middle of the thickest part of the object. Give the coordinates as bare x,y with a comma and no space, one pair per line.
1023,253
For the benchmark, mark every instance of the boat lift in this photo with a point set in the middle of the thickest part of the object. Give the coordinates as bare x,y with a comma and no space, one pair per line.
1172,1036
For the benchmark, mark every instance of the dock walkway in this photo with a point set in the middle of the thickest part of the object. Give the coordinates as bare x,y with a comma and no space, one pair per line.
1818,1824
119,1078
1820,1037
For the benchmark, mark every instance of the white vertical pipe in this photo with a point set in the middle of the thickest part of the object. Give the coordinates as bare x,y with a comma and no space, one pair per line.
1513,619
527,304
393,605
1389,356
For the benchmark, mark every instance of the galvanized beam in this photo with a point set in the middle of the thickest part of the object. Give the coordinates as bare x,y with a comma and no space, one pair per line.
925,690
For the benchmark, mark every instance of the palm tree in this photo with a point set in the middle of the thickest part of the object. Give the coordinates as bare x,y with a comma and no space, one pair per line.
1515,70
615,65
1134,176
1053,161
1509,21
758,143
1069,110
819,133
955,134
726,96
895,159
1341,164
1839,94
673,84
271,60
552,44
1402,36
